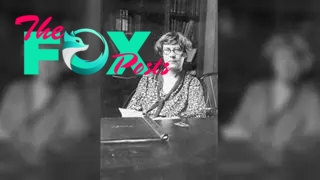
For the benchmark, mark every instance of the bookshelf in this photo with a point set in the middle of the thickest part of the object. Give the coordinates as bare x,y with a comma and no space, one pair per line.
130,16
128,22
188,17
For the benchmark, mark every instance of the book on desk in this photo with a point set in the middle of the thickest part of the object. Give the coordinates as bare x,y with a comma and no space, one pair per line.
131,130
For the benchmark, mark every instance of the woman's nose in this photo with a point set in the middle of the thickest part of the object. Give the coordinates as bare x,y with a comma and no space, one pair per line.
172,55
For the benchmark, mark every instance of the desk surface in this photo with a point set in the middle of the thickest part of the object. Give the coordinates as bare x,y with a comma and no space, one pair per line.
189,154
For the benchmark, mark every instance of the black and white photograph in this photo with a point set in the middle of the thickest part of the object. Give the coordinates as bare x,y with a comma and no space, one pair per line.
49,122
162,124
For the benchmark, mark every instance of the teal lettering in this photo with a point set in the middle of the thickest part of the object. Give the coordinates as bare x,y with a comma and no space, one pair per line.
126,46
32,53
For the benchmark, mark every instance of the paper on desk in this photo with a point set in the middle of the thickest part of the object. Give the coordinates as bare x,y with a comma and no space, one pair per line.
130,113
166,118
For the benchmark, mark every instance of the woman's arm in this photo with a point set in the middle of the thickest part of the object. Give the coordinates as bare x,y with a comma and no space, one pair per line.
196,103
135,102
240,124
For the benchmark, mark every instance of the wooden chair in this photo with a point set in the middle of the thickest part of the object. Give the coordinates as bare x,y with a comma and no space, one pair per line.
209,82
126,102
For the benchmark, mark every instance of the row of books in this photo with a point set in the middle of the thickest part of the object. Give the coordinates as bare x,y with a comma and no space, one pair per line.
190,7
128,23
186,28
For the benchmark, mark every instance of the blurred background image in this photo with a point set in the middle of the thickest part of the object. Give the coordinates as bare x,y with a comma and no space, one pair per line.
244,27
50,122
268,89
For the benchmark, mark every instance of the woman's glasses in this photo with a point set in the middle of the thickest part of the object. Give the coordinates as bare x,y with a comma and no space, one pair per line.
177,51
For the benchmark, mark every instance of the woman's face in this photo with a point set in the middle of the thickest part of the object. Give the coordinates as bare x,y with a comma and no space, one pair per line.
286,65
173,55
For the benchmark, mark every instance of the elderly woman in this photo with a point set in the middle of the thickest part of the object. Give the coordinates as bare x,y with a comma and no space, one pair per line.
176,93
282,113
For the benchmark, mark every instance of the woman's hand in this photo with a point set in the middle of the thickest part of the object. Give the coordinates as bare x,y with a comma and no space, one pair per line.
235,133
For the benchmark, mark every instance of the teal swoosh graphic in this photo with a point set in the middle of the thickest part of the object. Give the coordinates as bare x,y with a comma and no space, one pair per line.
86,67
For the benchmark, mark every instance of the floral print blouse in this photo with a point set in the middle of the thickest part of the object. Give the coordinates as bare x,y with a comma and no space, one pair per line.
185,100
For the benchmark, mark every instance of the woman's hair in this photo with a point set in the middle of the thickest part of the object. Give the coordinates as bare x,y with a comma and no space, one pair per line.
295,42
172,38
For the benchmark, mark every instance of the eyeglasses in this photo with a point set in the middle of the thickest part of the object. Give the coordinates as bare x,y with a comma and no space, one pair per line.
177,51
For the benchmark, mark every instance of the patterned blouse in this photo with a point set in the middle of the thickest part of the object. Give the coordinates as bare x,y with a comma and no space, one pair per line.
185,99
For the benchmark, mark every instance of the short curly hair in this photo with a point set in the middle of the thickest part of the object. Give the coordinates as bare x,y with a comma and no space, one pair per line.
173,38
295,42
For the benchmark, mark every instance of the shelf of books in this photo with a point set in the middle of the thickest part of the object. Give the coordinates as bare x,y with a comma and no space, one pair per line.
127,22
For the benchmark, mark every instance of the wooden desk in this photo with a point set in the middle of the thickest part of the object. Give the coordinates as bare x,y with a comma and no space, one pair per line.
189,154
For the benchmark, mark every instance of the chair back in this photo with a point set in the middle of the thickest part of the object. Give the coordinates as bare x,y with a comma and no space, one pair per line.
128,99
209,82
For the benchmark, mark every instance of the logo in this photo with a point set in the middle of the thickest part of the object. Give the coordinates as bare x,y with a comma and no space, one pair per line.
73,44
128,50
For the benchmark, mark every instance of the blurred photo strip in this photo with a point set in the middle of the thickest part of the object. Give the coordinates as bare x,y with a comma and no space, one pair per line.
269,120
49,114
159,95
